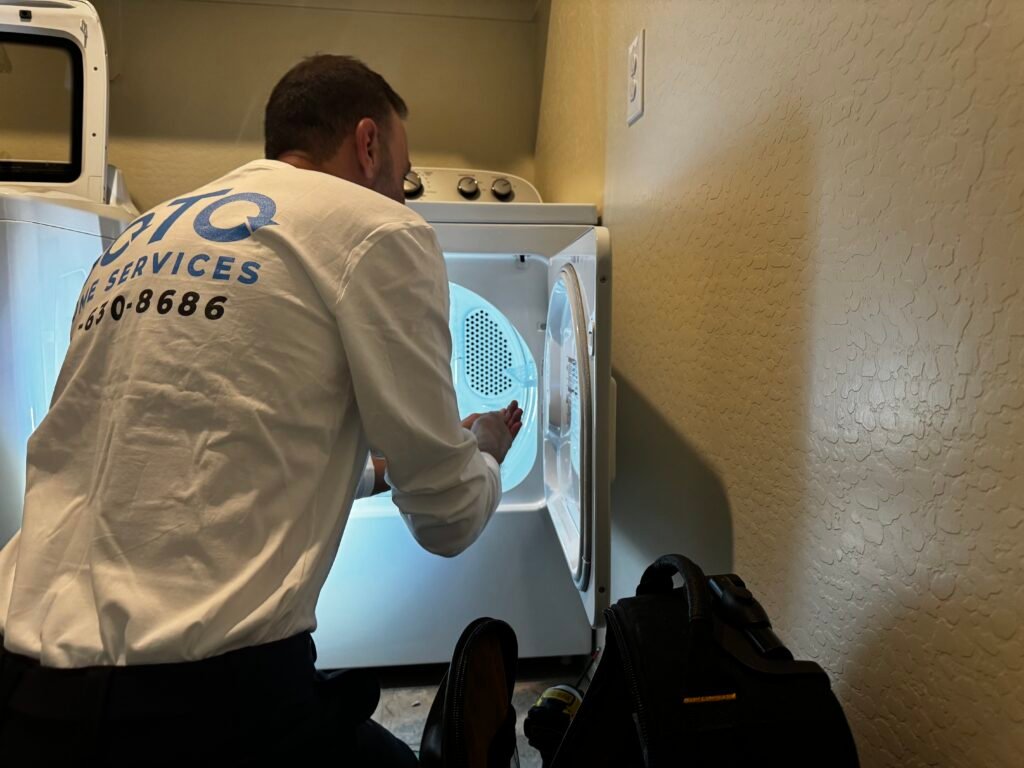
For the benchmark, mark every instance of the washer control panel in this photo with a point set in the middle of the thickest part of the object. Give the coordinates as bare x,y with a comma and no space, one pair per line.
459,185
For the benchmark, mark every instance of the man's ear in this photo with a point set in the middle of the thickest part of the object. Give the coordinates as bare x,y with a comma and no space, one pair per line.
368,147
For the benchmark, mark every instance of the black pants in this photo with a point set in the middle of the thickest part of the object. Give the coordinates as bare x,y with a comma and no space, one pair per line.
263,705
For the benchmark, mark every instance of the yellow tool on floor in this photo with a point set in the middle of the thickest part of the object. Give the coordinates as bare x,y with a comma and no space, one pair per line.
548,719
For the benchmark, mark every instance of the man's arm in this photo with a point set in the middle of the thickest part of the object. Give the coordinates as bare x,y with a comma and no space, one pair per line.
374,478
392,312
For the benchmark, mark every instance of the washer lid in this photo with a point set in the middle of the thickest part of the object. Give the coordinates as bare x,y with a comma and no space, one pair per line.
567,423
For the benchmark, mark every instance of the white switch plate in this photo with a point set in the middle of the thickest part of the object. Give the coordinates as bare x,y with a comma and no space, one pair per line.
635,79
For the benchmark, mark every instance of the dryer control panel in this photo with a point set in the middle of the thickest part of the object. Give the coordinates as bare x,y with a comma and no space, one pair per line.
463,185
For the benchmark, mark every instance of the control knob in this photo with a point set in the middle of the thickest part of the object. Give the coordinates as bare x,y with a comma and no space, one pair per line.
468,187
502,189
412,186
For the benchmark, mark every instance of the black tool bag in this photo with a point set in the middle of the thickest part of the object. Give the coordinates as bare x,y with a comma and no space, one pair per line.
694,676
472,723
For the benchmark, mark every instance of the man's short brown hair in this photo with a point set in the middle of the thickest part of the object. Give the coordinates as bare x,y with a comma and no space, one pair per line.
319,102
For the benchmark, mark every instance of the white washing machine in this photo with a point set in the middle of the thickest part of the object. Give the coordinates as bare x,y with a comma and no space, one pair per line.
530,320
60,206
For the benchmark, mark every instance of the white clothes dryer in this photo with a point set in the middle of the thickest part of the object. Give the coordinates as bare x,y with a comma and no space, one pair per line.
530,319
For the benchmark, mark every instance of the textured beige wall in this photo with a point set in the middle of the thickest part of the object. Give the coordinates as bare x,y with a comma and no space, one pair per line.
819,332
574,84
190,81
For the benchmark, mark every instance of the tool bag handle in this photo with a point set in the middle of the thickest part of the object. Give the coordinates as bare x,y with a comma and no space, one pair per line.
657,579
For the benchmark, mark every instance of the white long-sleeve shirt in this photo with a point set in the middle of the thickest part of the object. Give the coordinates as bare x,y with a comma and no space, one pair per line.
234,355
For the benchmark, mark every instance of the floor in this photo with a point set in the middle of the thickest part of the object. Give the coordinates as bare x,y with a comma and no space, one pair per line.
406,697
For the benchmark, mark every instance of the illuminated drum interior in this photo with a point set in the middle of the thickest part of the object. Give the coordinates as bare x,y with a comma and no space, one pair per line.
491,365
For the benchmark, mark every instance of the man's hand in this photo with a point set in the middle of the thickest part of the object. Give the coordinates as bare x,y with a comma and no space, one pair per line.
513,417
496,430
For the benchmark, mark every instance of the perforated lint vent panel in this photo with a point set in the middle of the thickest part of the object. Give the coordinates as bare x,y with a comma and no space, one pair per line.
488,357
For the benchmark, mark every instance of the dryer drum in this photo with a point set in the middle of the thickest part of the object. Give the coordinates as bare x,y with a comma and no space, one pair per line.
491,365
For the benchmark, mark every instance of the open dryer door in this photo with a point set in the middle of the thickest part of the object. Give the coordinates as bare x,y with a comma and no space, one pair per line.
577,420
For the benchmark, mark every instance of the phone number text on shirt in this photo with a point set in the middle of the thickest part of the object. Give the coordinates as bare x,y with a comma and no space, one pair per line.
189,304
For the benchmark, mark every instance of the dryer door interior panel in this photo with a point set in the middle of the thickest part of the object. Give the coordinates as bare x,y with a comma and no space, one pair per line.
567,423
578,414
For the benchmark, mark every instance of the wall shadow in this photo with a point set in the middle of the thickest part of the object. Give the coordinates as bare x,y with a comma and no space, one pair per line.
713,264
665,497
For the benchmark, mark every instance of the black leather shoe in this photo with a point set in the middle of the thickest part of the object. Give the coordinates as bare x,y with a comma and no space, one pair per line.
472,723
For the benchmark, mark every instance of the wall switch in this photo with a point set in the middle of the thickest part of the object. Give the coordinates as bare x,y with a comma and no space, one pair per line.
635,79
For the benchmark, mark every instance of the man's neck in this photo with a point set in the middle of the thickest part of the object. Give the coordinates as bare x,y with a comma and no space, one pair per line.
300,160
